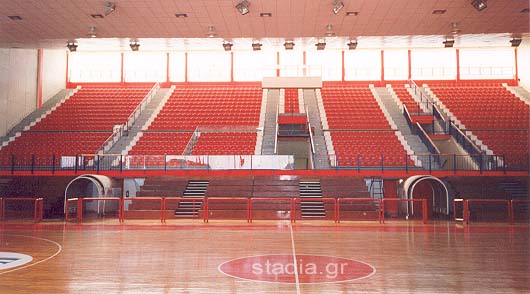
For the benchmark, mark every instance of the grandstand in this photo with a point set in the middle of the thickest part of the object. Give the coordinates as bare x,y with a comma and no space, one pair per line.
209,146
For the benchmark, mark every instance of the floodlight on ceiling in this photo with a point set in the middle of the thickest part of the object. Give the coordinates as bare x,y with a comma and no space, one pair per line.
243,7
71,45
256,46
337,6
455,30
321,44
449,43
479,4
516,42
329,31
352,45
92,32
289,45
227,45
134,44
110,7
211,33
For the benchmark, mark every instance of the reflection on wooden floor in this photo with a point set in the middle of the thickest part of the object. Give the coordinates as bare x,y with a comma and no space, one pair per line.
402,257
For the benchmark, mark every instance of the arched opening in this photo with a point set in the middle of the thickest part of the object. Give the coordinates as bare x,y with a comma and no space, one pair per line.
90,186
431,188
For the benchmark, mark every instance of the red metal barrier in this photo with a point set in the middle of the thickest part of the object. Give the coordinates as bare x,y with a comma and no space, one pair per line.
463,203
82,200
469,201
145,199
513,204
38,207
289,200
188,199
75,201
360,200
227,199
333,201
423,207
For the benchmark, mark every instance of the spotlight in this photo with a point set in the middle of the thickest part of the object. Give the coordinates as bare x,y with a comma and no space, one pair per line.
135,45
109,7
449,43
479,4
227,45
256,45
92,32
516,42
321,44
352,44
71,45
289,45
329,31
337,6
243,7
211,33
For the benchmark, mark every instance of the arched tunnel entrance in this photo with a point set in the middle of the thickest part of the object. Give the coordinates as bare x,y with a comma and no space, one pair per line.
91,186
431,188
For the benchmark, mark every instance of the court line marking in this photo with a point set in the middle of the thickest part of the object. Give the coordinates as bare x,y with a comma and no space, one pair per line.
294,261
60,248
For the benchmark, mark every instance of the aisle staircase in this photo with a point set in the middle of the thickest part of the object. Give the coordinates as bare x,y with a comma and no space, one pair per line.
195,191
312,208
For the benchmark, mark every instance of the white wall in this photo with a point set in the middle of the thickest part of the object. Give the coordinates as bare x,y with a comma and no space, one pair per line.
18,86
523,60
53,72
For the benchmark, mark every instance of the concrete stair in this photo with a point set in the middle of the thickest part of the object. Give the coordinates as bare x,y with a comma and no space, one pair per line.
321,144
196,190
520,92
311,207
269,123
33,118
391,109
148,115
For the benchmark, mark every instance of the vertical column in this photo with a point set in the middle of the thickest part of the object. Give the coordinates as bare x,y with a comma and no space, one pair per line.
167,68
382,66
278,63
231,66
304,61
457,65
39,77
409,65
122,78
67,75
343,69
516,67
186,67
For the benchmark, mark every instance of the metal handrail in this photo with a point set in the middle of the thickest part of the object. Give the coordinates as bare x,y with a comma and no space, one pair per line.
276,131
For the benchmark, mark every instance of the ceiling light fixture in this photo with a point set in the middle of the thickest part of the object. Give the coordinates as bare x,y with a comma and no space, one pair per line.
321,44
243,7
71,45
329,31
211,33
352,45
449,43
455,30
97,15
92,32
337,6
289,45
265,14
525,10
439,11
227,45
135,45
256,45
15,17
479,4
516,42
181,15
110,7
352,13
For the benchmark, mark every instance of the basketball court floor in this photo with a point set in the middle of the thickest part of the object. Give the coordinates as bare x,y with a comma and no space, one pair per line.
264,257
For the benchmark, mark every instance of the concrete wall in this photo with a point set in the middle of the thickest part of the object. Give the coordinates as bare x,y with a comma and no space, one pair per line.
523,59
18,86
53,72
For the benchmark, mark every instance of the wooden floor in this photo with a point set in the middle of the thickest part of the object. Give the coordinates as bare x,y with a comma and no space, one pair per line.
407,257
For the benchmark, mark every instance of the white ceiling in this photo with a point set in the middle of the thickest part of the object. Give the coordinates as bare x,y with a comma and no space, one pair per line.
50,22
